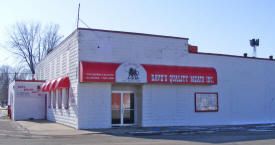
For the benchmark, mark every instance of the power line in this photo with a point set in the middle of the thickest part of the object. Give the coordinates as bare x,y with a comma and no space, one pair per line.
14,73
84,23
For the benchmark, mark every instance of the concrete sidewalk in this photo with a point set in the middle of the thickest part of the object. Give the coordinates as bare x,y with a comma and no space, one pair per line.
45,127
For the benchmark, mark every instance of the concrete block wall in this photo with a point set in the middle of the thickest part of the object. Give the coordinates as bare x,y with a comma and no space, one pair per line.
94,105
62,61
245,89
117,47
27,100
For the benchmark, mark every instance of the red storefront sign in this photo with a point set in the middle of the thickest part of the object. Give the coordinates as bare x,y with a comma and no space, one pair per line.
135,73
97,72
180,74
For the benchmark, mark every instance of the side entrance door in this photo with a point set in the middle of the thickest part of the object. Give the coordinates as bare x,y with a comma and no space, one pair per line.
123,108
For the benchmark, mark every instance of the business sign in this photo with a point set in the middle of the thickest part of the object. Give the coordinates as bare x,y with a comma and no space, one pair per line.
131,73
144,73
180,74
97,72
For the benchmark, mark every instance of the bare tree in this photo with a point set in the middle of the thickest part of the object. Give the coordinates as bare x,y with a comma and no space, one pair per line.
8,74
31,43
4,84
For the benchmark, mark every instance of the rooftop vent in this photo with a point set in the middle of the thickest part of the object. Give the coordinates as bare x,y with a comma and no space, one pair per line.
192,49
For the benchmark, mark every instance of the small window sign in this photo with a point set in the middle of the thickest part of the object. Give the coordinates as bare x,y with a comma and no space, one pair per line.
206,102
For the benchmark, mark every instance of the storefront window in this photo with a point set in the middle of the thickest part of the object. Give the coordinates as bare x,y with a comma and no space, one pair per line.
66,98
206,102
49,100
60,98
54,99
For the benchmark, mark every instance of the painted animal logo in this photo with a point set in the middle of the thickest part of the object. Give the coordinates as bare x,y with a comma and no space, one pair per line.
133,74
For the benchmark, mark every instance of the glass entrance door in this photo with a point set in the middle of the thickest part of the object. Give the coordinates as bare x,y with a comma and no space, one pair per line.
123,108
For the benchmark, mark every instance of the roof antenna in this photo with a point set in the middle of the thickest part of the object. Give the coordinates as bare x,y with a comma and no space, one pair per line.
78,15
254,43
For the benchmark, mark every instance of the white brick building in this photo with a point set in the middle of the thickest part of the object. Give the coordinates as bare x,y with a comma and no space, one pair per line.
22,92
120,78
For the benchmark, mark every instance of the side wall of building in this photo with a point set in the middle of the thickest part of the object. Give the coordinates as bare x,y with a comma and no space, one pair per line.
60,62
245,95
28,102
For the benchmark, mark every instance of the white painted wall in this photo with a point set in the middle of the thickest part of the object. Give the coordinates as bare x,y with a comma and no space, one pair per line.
246,95
62,61
94,105
126,48
28,102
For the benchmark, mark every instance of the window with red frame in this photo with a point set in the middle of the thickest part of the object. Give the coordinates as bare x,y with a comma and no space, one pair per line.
60,98
66,98
49,100
54,99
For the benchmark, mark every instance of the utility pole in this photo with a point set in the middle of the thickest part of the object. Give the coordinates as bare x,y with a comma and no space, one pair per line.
78,15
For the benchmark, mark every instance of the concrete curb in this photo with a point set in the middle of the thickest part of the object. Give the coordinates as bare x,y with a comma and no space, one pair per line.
217,129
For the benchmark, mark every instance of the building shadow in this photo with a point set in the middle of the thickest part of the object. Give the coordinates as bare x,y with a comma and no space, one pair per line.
214,137
214,134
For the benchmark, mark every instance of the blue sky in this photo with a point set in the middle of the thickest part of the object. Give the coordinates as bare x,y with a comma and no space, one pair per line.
216,26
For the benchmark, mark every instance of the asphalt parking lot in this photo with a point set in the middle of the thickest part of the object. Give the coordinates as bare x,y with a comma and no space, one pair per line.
12,133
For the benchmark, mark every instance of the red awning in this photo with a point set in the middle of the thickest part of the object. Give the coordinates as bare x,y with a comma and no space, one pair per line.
58,81
56,84
53,85
46,87
63,83
43,88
